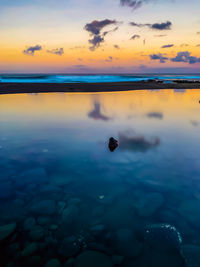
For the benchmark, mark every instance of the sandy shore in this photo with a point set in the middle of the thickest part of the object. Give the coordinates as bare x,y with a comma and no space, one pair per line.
17,88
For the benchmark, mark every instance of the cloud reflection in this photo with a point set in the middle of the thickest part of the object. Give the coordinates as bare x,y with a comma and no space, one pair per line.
137,143
96,112
155,115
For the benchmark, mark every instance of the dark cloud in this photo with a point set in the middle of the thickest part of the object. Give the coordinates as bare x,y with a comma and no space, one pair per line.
198,45
198,32
156,115
137,143
116,46
96,113
167,46
32,49
95,29
194,123
109,59
56,51
156,26
134,4
185,57
159,57
162,26
135,36
160,35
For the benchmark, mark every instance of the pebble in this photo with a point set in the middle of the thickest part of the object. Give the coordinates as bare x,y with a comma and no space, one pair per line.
7,230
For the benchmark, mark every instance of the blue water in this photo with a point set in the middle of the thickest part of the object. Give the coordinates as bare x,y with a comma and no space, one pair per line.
35,78
65,196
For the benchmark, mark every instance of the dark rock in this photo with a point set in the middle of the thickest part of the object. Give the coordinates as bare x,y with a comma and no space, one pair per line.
37,233
29,223
7,230
163,237
191,255
44,207
29,250
113,144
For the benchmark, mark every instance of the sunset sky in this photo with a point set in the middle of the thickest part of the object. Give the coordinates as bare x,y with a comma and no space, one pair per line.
99,36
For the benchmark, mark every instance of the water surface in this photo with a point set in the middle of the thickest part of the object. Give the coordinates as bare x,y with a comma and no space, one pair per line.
68,197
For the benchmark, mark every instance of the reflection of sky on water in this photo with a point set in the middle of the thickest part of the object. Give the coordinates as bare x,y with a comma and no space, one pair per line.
152,177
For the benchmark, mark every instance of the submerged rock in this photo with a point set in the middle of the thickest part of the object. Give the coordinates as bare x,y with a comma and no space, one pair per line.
44,207
29,223
163,237
70,214
113,144
7,230
191,255
93,259
37,233
29,250
126,243
53,263
69,247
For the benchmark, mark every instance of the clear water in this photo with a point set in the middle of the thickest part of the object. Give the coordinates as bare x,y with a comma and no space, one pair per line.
62,78
69,198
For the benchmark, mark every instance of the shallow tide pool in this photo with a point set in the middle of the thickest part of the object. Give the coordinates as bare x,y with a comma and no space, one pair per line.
67,200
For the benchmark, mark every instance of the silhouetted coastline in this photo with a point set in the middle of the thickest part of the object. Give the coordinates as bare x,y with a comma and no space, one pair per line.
16,88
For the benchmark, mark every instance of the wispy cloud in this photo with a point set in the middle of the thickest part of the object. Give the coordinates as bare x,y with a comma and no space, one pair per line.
95,29
159,57
155,26
56,51
185,57
32,49
167,46
135,36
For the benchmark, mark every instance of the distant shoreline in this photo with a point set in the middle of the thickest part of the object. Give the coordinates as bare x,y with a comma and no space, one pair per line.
20,88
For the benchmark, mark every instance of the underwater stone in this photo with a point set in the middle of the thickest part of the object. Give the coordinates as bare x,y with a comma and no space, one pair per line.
29,250
45,207
191,255
163,237
53,263
7,230
69,247
37,233
70,214
148,204
29,223
126,243
93,258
